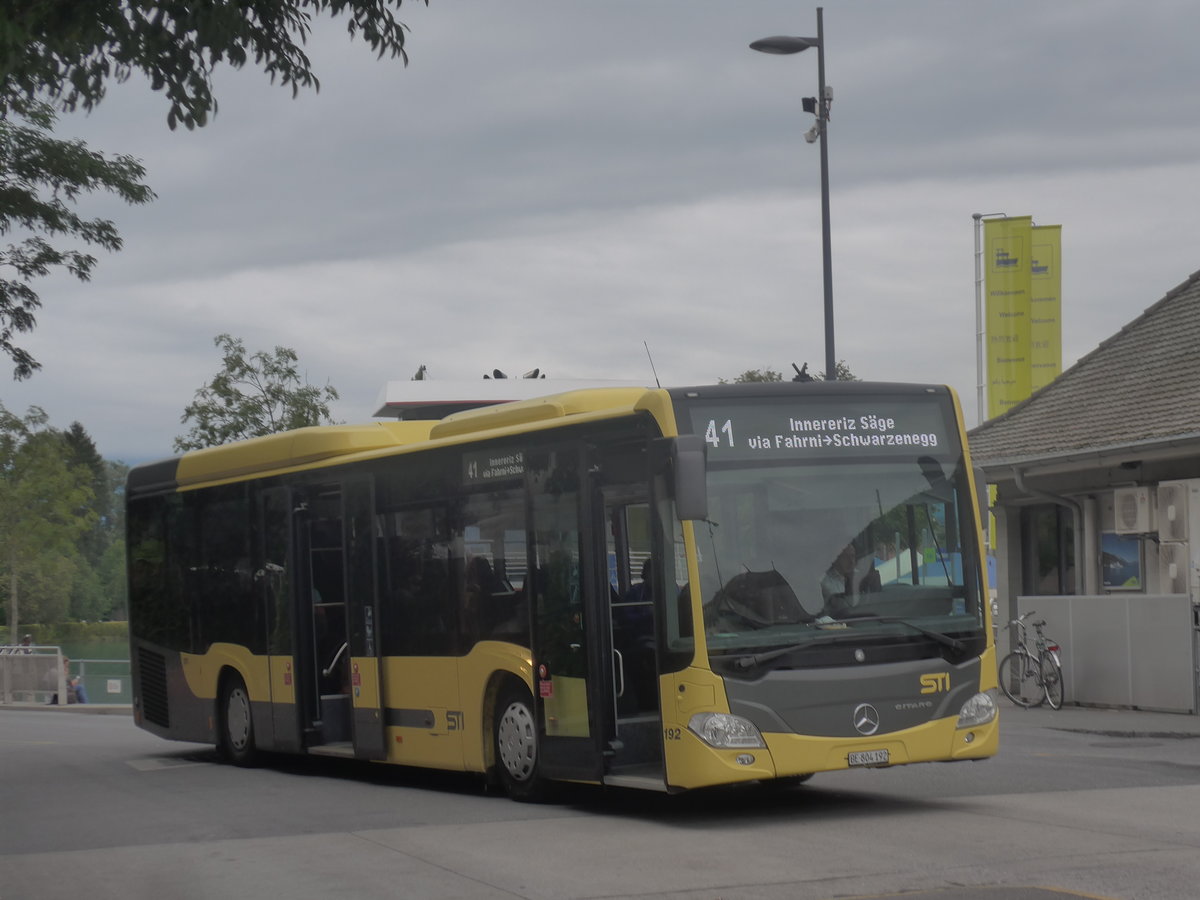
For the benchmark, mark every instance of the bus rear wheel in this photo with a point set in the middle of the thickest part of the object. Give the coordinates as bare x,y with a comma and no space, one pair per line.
516,745
236,725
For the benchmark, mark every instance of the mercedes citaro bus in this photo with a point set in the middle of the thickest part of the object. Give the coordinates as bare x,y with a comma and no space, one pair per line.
652,588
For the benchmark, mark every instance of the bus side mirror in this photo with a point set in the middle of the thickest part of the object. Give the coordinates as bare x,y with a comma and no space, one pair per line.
688,454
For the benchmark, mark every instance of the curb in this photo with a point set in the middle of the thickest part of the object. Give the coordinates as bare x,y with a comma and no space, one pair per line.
95,709
1128,733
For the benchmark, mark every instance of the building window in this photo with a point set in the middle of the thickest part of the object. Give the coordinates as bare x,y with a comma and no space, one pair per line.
1048,544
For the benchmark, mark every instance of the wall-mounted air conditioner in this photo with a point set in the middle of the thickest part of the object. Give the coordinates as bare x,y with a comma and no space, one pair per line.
1178,504
1133,510
1174,567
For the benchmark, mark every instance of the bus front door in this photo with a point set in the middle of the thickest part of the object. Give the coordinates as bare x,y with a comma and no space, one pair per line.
636,755
569,627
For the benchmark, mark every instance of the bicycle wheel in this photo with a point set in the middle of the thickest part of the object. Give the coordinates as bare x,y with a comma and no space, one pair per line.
1020,679
1051,675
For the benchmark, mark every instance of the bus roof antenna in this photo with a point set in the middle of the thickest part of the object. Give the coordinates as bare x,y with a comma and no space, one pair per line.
657,383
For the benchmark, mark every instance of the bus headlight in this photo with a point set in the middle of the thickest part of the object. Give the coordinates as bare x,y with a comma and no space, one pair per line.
979,710
724,731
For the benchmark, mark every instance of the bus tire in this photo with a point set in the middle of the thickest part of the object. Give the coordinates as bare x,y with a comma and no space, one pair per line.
515,736
236,723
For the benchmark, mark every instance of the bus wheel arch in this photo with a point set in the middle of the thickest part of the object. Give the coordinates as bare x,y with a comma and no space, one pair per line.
515,745
235,720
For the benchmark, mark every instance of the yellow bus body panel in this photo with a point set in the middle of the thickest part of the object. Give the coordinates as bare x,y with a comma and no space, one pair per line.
421,694
203,671
364,682
283,680
566,707
441,706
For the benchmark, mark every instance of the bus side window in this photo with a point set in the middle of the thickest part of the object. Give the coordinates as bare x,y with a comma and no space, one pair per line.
415,585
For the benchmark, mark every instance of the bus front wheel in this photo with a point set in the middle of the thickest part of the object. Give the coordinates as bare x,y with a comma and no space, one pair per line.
236,735
516,745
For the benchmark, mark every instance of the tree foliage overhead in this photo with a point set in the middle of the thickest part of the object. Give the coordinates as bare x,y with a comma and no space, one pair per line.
68,50
253,396
41,178
64,53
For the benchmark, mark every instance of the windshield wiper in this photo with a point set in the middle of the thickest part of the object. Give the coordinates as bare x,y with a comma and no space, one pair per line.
757,659
952,643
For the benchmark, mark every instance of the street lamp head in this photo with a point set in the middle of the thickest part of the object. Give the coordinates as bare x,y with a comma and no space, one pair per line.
782,44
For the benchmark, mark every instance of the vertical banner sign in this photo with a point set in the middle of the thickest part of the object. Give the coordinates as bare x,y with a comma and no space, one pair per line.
1007,246
1045,304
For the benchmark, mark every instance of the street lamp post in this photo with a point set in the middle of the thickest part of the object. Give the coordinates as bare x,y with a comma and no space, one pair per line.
782,44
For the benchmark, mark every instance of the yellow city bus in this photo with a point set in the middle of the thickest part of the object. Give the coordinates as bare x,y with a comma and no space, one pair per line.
652,588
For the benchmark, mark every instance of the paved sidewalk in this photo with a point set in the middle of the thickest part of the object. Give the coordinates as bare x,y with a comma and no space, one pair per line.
1095,720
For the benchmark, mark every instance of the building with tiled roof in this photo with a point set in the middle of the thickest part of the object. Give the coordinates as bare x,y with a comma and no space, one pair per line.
1097,509
1136,392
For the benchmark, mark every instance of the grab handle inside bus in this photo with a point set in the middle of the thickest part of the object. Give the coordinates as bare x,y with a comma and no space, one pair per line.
688,466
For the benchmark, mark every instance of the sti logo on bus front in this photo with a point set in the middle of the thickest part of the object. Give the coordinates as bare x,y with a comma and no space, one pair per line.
935,682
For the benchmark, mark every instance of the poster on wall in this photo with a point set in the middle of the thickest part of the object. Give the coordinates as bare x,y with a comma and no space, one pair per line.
1120,562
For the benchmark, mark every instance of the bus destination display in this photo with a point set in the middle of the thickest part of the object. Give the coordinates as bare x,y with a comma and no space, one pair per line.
741,431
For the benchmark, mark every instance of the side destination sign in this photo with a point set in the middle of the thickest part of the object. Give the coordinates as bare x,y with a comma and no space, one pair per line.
481,467
837,428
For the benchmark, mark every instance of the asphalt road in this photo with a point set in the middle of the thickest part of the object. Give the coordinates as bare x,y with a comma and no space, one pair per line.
91,807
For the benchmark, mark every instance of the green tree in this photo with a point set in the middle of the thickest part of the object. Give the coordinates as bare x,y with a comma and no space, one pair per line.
113,585
45,506
41,178
767,374
98,588
841,371
67,51
253,396
64,53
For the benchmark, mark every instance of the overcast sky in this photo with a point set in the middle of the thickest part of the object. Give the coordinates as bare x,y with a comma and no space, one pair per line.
552,184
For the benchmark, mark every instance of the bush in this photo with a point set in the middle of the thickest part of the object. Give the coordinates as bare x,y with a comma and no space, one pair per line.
48,635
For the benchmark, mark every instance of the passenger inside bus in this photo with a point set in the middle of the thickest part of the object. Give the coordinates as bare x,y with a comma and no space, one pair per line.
842,586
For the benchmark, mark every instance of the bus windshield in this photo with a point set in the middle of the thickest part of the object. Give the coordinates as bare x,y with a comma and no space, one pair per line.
837,538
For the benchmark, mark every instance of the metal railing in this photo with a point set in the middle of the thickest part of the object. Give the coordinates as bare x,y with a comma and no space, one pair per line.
32,674
105,680
42,675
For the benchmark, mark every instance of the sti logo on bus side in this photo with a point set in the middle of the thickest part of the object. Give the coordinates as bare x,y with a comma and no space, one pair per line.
935,682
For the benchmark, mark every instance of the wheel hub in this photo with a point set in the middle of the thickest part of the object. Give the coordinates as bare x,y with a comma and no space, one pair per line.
517,741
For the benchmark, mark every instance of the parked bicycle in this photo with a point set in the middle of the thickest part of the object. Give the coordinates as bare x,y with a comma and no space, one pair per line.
1031,676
